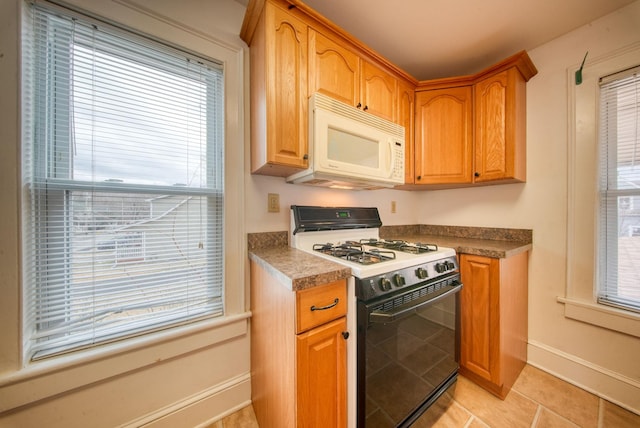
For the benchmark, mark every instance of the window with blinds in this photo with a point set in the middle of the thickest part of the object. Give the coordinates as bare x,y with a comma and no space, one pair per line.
619,190
123,169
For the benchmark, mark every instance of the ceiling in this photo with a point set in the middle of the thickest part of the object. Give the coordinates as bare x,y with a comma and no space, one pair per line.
442,38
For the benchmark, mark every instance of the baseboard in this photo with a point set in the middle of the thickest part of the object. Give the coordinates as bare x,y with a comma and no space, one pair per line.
605,383
202,409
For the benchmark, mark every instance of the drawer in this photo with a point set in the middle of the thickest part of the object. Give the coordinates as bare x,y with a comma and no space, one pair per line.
318,305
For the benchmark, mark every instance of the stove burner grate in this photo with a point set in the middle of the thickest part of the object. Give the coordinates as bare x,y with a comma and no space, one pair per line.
399,245
354,252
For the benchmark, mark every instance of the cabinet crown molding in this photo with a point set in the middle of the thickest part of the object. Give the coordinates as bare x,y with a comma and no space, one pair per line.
520,61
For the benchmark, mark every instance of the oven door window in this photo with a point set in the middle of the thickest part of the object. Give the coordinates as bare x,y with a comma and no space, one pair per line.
408,361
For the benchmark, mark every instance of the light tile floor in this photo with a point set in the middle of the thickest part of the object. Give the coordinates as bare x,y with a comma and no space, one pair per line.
537,399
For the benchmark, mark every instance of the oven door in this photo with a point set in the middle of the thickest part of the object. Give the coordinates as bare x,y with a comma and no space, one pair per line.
408,352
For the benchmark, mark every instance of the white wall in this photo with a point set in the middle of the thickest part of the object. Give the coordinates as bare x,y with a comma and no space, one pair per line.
184,376
601,360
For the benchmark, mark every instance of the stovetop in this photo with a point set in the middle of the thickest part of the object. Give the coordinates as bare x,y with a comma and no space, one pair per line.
350,236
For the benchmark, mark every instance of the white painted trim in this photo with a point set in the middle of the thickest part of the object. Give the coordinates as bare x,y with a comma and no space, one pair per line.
202,409
582,195
602,316
57,375
602,382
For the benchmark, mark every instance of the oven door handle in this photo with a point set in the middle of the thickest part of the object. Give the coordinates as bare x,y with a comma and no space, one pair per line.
381,317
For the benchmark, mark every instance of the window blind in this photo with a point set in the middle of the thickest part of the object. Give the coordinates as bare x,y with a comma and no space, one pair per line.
123,168
619,190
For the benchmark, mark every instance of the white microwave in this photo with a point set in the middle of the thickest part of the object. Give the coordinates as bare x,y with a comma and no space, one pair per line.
350,148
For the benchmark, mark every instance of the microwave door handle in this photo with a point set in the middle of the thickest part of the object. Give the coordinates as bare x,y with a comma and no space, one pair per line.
391,157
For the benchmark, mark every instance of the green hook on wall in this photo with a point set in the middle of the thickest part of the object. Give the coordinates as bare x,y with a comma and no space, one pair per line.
579,71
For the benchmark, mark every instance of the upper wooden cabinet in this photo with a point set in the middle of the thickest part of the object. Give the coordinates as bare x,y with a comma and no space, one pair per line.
341,74
472,130
378,91
333,70
294,53
405,117
279,141
500,118
443,138
459,131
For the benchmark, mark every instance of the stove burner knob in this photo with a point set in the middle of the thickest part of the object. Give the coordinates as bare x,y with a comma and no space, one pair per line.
385,284
422,273
399,280
450,265
440,267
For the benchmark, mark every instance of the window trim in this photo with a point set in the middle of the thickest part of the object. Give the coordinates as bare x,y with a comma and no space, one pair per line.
50,182
23,383
580,299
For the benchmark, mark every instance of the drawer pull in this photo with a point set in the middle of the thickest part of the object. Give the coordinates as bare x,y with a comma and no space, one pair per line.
324,308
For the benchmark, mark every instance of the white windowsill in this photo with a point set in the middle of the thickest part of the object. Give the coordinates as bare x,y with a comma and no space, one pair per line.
56,375
602,316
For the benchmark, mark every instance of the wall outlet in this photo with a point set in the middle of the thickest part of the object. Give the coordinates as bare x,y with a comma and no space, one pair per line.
273,202
393,207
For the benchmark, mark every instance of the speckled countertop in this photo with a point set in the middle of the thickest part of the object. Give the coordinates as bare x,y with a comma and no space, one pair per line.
299,270
294,268
489,242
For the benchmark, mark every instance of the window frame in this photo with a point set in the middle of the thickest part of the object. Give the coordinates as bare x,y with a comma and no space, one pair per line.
56,183
580,299
23,383
610,196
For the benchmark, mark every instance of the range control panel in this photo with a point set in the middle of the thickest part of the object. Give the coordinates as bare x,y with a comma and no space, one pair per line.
391,282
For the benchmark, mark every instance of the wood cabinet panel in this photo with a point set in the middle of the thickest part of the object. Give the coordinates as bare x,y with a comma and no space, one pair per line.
378,91
273,345
499,127
341,74
287,107
279,104
317,305
321,382
443,136
297,379
333,70
493,319
495,131
406,117
480,317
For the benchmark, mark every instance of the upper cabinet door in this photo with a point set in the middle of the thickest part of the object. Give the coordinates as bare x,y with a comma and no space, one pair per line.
378,91
333,70
443,136
500,127
406,117
286,88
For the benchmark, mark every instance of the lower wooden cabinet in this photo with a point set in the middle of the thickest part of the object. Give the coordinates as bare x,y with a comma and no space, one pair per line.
321,368
493,336
298,353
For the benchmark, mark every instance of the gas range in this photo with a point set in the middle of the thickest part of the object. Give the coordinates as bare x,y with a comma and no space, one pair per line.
394,284
350,236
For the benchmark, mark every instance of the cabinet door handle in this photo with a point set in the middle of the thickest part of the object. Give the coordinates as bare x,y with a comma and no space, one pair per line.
324,308
345,334
366,108
477,174
359,105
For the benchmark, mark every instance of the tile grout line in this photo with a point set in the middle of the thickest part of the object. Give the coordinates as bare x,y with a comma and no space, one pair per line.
543,407
536,416
600,412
